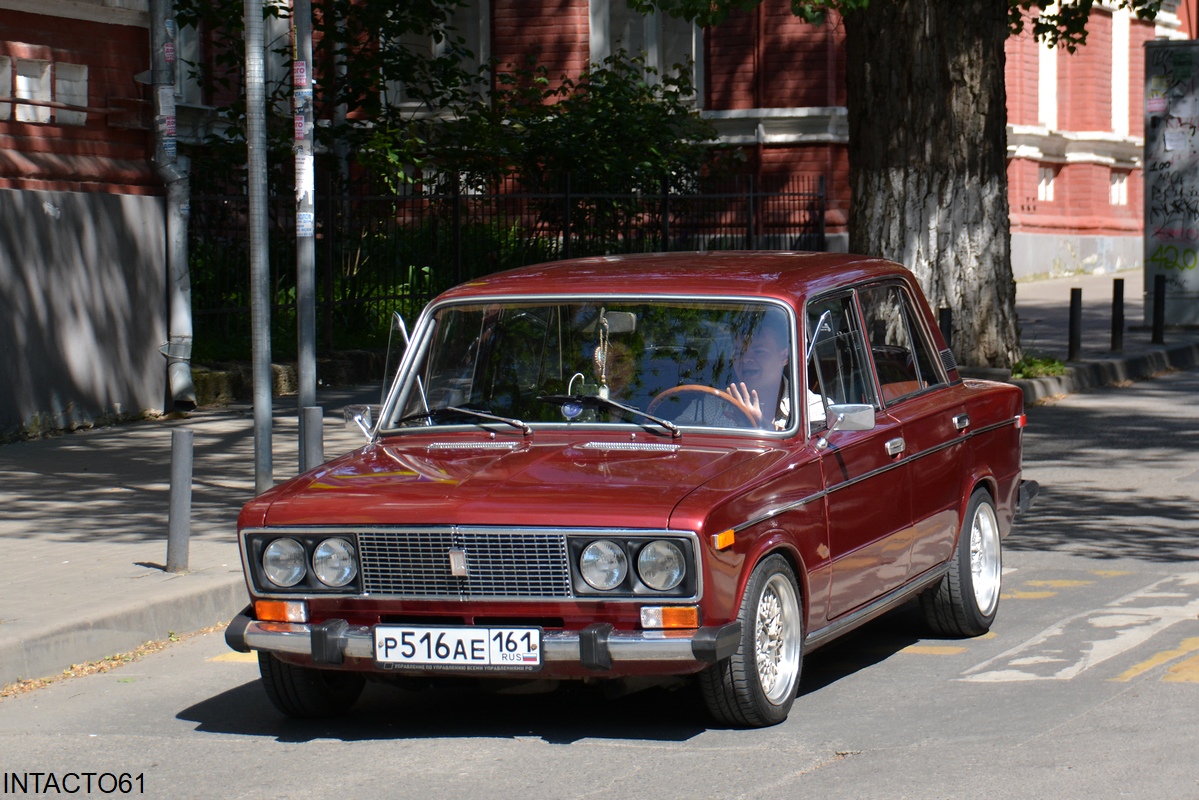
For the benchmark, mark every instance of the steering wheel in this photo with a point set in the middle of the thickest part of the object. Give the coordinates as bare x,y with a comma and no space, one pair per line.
696,388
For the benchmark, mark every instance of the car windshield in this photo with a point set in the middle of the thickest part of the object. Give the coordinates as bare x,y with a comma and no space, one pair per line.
662,363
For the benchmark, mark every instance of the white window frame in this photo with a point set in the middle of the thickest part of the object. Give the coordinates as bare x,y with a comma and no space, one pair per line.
33,83
1119,188
1121,37
1047,86
603,42
188,53
1046,177
5,86
70,88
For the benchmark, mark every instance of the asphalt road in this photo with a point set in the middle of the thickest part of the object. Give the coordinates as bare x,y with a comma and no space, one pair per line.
1088,685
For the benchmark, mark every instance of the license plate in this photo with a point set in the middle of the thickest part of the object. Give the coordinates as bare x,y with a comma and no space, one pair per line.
458,648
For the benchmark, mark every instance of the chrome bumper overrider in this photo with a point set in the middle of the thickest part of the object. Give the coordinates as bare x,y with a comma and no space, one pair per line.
596,647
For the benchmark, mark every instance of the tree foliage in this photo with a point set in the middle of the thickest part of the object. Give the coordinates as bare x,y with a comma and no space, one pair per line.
620,126
396,87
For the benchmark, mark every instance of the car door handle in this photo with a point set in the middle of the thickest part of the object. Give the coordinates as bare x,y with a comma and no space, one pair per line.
896,446
961,422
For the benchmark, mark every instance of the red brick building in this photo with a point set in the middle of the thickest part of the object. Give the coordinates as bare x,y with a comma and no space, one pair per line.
776,86
82,270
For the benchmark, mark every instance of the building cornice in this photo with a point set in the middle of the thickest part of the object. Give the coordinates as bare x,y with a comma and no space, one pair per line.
135,13
1074,147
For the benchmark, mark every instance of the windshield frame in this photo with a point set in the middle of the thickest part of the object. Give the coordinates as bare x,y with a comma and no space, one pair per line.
403,385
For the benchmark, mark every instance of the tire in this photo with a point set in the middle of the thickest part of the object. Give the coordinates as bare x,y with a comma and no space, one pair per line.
965,601
756,686
307,693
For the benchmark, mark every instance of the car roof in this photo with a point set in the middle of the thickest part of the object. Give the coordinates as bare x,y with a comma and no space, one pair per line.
788,276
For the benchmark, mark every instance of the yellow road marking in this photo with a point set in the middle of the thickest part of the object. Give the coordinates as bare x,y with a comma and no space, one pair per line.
1185,672
1059,584
239,658
933,649
1110,573
1187,647
1017,594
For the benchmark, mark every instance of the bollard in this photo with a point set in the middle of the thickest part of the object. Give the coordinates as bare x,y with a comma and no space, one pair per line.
945,323
179,518
312,432
1075,349
1117,315
1159,309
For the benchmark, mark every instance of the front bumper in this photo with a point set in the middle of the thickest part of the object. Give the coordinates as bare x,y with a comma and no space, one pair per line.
597,647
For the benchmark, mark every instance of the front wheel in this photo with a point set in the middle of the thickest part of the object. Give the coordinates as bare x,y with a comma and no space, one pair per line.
965,601
756,686
308,693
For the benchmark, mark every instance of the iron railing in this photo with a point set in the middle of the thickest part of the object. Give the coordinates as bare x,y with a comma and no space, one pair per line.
381,252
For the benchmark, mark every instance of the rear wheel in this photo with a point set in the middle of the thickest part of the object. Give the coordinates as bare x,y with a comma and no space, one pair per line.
756,686
964,603
308,693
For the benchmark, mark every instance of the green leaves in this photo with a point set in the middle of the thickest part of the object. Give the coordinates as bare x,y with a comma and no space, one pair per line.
1064,23
620,126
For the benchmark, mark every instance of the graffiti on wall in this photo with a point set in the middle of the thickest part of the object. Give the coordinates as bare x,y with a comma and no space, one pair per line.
1171,172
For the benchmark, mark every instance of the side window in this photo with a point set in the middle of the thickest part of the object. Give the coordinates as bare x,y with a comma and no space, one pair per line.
901,352
838,371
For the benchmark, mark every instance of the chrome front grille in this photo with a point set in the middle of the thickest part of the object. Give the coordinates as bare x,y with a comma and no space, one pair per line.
500,563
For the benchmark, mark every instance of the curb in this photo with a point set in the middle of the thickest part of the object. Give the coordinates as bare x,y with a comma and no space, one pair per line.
50,650
1082,376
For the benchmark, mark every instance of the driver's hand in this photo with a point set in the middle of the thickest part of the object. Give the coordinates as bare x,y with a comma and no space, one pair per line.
748,398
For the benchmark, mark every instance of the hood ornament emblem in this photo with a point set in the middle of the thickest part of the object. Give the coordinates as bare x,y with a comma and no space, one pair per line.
458,566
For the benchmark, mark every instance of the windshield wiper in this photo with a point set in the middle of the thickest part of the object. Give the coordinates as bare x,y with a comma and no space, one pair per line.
595,401
447,412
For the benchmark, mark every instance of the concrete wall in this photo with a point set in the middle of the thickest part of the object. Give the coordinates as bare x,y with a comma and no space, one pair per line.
82,308
1047,254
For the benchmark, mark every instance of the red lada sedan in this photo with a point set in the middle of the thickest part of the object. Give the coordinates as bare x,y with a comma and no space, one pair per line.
686,464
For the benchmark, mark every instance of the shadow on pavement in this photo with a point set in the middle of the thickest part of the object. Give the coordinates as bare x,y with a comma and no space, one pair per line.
567,715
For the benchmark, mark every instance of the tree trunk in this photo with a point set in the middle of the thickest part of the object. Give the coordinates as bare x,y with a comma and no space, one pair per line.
927,159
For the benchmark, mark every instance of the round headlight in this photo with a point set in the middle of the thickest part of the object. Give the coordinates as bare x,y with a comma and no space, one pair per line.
283,562
603,565
661,565
333,562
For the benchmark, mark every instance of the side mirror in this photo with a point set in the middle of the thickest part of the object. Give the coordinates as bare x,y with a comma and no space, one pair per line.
359,417
847,417
850,417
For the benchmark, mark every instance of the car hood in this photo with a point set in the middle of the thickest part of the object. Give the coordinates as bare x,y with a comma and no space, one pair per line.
578,483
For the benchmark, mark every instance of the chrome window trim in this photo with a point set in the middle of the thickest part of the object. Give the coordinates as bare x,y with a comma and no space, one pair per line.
422,339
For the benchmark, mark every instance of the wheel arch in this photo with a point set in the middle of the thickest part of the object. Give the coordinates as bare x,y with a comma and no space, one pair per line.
777,540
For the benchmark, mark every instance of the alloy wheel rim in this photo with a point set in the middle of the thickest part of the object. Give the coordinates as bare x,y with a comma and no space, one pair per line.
777,638
985,559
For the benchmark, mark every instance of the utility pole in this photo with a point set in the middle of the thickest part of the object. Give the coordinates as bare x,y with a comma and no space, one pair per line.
172,168
260,278
302,85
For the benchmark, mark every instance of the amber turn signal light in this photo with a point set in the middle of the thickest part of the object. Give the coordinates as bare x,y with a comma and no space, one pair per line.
659,617
281,610
724,539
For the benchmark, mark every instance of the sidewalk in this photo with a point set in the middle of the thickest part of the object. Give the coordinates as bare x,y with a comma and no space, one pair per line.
84,520
1044,317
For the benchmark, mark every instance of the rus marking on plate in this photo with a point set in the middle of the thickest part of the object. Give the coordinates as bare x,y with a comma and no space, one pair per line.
1064,650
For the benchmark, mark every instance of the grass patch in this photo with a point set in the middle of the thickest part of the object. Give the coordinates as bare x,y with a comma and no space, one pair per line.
1038,367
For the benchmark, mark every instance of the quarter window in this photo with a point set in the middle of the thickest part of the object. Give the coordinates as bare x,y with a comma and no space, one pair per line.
837,371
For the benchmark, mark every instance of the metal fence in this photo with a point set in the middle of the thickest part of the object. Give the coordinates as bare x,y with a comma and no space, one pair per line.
379,252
